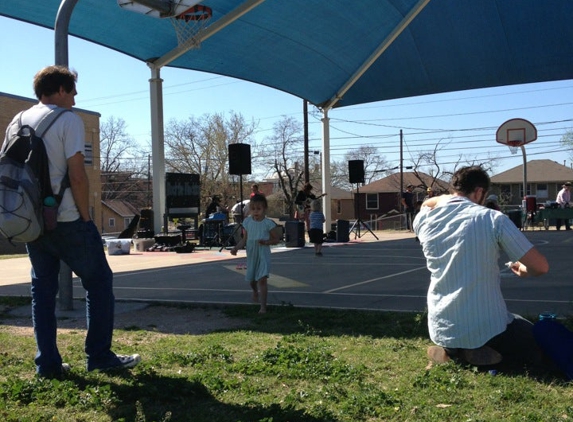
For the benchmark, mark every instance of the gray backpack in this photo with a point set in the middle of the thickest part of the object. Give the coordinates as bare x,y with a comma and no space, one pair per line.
25,181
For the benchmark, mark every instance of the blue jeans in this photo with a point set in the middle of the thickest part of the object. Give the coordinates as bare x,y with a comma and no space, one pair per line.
80,246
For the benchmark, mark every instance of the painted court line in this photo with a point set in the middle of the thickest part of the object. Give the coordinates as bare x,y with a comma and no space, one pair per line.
374,279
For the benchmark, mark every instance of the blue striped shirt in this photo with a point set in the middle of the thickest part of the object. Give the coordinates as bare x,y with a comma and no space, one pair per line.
316,219
462,242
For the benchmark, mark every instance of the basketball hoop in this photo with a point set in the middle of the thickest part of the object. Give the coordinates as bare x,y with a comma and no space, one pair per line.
515,133
189,24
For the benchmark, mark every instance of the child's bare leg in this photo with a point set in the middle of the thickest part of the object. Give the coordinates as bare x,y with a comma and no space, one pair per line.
263,296
255,291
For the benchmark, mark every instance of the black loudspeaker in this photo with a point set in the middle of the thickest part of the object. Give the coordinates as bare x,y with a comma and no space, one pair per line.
356,171
294,234
342,231
145,229
239,159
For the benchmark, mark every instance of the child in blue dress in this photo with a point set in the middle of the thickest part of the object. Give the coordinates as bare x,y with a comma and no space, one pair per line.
258,236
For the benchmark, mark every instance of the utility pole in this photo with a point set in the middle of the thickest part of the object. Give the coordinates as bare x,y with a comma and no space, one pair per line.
149,180
305,124
401,171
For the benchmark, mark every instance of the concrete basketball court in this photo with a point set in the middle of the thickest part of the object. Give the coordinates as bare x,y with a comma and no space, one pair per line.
388,274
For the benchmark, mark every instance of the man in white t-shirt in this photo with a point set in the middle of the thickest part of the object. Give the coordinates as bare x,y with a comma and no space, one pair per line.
461,240
75,241
238,217
563,199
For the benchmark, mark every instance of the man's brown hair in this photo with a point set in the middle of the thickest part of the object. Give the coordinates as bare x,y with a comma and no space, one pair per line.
467,179
49,80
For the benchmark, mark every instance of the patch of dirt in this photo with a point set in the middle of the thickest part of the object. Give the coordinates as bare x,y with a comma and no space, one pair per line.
159,319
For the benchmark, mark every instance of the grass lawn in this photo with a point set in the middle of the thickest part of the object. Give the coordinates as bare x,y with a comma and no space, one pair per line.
290,365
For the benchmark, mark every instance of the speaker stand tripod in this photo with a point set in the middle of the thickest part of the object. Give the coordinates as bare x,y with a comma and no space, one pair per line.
358,223
241,207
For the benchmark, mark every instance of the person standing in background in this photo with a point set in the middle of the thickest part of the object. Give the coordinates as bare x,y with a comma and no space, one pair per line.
408,204
563,199
302,202
491,202
316,232
255,190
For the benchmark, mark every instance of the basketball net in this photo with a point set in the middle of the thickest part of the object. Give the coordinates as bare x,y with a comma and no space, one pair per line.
189,24
514,146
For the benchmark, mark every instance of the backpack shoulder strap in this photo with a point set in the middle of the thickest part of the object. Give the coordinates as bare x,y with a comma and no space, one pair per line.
20,119
46,123
48,120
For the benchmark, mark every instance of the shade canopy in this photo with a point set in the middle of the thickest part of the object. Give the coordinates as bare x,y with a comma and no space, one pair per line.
340,53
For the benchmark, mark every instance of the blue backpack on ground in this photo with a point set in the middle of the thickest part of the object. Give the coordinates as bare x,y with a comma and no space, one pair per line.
557,343
25,188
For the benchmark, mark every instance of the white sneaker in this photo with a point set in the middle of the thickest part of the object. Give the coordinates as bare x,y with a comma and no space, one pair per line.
119,362
128,361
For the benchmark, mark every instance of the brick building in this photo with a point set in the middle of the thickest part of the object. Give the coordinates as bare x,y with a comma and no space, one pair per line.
10,105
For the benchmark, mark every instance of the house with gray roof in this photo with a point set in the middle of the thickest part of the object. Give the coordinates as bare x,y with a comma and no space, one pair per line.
544,180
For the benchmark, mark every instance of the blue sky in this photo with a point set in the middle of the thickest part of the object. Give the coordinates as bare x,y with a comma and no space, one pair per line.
114,84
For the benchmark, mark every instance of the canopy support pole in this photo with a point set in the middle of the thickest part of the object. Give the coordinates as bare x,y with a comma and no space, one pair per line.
61,26
326,181
157,148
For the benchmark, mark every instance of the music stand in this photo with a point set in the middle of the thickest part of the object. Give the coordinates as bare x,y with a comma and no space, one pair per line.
358,221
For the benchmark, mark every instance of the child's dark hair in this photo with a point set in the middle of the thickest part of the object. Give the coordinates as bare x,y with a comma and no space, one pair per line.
259,199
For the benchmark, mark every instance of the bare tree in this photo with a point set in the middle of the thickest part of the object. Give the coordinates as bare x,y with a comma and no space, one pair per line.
200,146
567,142
374,165
429,170
283,157
122,166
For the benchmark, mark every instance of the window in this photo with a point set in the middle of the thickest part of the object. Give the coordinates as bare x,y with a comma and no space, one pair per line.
111,222
126,222
521,194
542,192
505,189
372,201
88,154
339,207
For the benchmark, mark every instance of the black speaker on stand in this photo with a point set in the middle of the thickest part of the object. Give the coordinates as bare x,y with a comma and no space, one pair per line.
239,164
356,175
356,171
239,159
